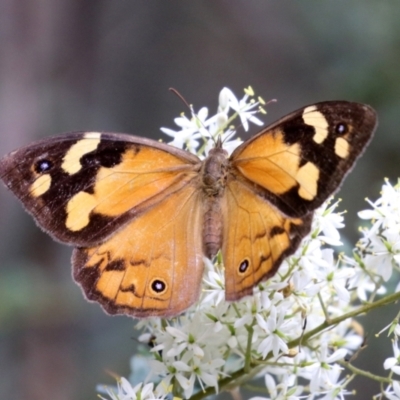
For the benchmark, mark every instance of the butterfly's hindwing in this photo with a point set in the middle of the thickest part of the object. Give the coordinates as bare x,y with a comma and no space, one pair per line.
257,238
152,266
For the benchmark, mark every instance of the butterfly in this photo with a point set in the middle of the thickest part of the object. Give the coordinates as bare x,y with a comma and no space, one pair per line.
142,215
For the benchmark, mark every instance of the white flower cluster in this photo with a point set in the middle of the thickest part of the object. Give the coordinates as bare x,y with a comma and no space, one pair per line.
125,391
379,250
296,330
200,128
392,392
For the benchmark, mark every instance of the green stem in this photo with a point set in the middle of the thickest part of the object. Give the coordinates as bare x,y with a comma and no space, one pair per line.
257,389
358,311
367,374
325,311
247,359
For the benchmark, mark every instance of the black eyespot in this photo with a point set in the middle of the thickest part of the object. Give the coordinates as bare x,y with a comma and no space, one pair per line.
42,166
90,160
243,266
158,286
341,128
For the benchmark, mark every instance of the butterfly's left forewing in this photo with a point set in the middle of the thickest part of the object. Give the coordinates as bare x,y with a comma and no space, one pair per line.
82,187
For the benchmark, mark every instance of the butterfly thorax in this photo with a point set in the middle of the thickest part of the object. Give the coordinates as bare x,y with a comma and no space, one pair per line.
214,172
214,177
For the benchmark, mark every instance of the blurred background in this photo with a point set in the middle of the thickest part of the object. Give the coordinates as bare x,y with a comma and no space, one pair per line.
71,65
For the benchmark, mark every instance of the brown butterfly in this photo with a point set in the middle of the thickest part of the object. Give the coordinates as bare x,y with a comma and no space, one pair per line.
142,214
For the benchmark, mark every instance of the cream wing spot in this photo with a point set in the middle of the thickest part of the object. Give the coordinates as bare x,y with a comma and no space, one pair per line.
342,147
41,185
92,135
78,211
317,120
71,161
309,109
307,176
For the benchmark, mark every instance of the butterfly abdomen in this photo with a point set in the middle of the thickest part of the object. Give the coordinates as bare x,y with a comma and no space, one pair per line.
214,177
212,227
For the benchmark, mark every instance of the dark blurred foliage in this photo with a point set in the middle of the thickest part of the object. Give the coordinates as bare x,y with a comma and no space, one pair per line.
107,65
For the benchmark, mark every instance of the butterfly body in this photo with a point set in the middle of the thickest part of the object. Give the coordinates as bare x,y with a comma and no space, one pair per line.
142,214
214,177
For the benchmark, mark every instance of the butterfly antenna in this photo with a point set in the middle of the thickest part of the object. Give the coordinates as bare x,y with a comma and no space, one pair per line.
176,93
189,106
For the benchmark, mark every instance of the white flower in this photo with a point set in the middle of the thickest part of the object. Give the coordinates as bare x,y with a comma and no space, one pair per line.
386,210
191,130
214,282
245,110
322,373
285,390
191,336
183,341
276,329
336,391
190,351
380,261
395,394
199,126
309,263
393,363
329,222
335,277
362,282
251,307
126,392
188,369
380,246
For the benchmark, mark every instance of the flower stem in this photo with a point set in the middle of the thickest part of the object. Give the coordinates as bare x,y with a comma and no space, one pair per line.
247,359
325,311
334,321
367,374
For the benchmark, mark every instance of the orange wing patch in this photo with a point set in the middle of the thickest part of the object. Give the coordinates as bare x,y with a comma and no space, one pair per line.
271,163
257,238
151,267
143,173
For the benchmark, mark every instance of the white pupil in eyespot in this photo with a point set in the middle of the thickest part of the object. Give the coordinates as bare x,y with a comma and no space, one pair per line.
43,166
